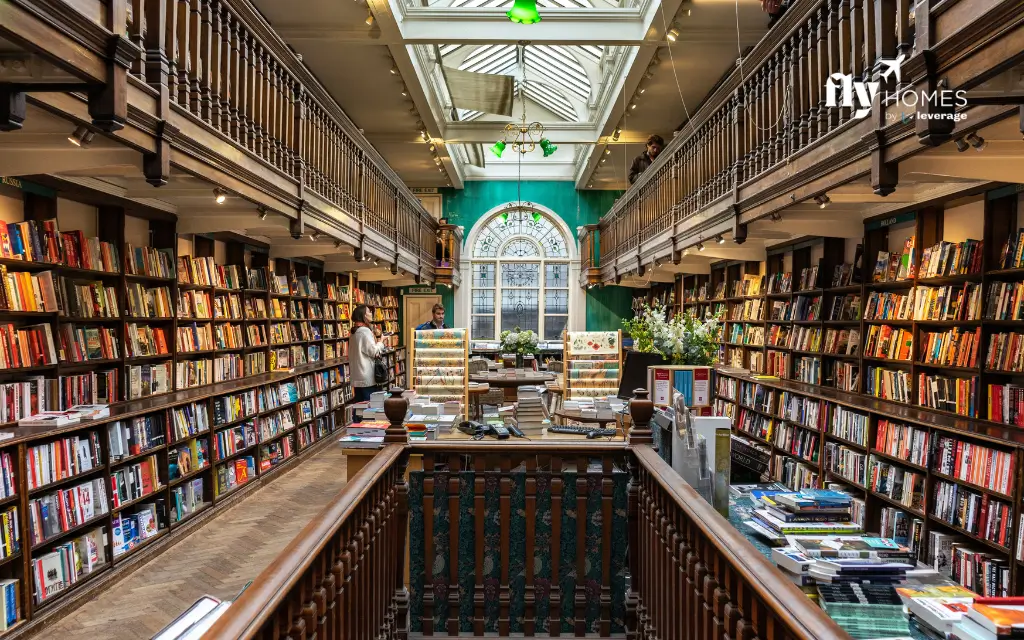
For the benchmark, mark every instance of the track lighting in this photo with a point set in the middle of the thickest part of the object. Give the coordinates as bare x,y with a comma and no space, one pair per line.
425,135
616,134
823,200
369,18
720,239
315,235
366,257
337,244
607,151
405,92
394,69
263,213
976,141
961,145
700,246
775,216
632,105
432,147
81,136
376,261
219,195
590,186
686,252
603,160
672,34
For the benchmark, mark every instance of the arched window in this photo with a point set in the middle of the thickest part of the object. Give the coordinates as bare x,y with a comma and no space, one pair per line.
520,276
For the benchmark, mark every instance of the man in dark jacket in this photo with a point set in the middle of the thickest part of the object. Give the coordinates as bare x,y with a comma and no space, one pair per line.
655,144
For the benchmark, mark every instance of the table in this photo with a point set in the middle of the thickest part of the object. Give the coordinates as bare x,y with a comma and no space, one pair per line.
603,417
476,390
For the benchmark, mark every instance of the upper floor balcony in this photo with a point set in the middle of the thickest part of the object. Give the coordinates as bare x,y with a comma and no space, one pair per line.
170,100
850,97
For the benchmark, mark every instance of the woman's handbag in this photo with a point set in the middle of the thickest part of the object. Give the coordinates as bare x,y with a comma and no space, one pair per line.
380,371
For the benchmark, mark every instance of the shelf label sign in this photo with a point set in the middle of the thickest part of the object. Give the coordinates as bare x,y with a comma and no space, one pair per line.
420,290
908,216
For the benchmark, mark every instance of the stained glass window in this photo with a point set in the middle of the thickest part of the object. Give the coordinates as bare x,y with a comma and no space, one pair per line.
520,276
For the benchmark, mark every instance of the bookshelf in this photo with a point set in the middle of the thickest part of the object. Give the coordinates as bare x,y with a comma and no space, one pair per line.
167,456
383,304
593,363
440,358
919,337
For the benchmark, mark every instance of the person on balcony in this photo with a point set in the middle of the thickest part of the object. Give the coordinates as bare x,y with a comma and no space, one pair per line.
655,144
436,321
443,252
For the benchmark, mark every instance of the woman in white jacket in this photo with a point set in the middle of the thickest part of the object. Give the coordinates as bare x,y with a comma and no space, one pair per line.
362,349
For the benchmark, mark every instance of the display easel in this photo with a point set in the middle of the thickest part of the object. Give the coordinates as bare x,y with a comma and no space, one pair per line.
593,363
440,360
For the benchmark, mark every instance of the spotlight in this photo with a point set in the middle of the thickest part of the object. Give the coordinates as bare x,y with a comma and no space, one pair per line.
405,92
369,18
616,134
632,105
425,135
603,160
649,73
607,151
376,261
672,34
776,216
337,244
219,195
700,246
823,200
720,239
366,257
263,213
686,252
976,141
432,147
315,235
498,148
961,145
437,161
590,186
689,12
394,69
81,136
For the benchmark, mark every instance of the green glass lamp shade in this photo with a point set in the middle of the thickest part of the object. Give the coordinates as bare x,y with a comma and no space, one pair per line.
524,12
536,216
498,148
504,217
547,147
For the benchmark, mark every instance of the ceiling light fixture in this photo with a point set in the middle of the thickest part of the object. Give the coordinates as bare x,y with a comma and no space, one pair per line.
524,12
776,216
823,200
616,134
376,261
366,257
81,136
432,147
976,141
523,137
672,34
700,246
425,135
337,244
720,239
315,235
961,145
369,17
394,69
263,212
607,151
219,195
405,91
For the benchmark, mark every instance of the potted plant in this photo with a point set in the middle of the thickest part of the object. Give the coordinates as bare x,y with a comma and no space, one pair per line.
520,343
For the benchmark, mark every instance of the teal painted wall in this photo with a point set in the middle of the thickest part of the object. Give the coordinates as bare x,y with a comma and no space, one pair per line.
605,306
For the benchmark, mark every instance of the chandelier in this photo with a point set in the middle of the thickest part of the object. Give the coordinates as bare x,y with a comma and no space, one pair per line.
523,137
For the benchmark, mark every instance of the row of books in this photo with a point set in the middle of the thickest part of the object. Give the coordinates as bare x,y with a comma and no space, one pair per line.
895,266
26,346
980,465
58,570
976,513
946,393
227,442
206,272
31,241
845,307
905,442
132,529
189,420
951,258
187,458
135,481
152,302
149,261
82,344
61,459
89,253
54,513
953,348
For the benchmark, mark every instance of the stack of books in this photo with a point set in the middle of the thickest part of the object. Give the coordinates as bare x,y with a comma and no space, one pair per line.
936,608
810,511
865,610
531,416
991,619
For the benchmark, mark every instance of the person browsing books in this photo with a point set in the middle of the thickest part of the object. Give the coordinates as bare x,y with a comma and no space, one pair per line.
436,321
363,350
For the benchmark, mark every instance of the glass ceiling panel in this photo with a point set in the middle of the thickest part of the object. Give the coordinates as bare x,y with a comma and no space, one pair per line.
555,76
504,4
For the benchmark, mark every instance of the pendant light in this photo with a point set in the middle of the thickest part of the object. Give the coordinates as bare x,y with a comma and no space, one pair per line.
524,12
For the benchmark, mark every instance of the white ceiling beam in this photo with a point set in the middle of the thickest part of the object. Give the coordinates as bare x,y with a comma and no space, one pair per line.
443,25
299,250
488,132
840,227
24,162
712,250
212,223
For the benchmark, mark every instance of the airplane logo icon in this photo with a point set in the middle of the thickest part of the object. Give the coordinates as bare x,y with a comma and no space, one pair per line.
892,66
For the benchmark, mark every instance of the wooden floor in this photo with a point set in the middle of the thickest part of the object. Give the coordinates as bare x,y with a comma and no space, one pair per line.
218,559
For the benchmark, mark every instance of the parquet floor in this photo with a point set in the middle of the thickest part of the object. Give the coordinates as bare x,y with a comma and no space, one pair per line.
217,559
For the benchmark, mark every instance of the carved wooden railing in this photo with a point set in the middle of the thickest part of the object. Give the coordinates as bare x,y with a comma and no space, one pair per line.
590,244
767,110
540,539
343,575
695,576
221,63
524,539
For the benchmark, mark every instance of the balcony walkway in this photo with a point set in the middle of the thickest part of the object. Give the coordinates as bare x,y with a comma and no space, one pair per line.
216,559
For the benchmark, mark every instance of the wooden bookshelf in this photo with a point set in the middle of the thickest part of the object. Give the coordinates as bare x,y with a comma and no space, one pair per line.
990,219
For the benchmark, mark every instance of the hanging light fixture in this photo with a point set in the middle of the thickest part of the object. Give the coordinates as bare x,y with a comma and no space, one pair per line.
536,216
219,195
720,239
498,148
547,147
524,12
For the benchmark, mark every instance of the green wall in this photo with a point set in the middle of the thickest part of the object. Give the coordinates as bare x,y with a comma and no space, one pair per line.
605,306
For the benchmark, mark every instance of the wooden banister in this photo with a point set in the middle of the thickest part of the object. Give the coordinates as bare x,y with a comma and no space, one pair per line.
350,554
684,555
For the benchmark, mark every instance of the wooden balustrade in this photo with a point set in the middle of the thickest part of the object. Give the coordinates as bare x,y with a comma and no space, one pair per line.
601,539
220,63
768,109
523,539
343,575
693,576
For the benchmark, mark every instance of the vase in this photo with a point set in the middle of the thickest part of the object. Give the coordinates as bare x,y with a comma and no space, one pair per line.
641,410
519,361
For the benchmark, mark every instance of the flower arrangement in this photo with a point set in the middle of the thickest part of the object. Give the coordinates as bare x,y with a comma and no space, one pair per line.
684,339
519,342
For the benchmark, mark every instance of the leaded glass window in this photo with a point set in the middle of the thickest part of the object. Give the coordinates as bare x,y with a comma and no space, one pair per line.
520,276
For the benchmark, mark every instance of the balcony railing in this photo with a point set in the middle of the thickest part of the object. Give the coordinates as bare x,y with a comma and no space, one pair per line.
768,110
543,539
213,78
